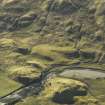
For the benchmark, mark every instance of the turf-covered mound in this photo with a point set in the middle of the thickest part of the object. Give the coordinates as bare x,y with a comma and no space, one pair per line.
24,74
63,90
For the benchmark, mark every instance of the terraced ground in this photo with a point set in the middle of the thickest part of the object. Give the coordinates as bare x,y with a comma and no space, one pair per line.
39,38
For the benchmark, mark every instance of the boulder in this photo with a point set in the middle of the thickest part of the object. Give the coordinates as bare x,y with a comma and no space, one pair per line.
61,6
80,3
66,95
23,50
87,100
72,54
101,9
88,54
26,19
62,90
99,35
3,26
9,2
24,74
6,42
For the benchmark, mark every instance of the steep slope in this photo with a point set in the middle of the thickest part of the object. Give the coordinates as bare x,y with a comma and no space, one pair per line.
39,34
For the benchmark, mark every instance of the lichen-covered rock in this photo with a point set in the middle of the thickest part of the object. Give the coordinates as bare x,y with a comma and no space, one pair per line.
88,100
63,6
27,19
73,28
23,50
99,35
100,9
24,74
6,42
63,90
8,2
100,12
67,94
88,54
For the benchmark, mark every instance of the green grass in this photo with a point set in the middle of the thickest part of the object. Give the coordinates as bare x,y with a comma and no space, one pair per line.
7,85
97,90
34,101
56,53
93,65
97,87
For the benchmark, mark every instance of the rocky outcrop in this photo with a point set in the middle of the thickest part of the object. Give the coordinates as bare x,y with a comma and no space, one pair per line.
24,74
26,20
68,93
64,6
7,43
64,90
23,50
86,101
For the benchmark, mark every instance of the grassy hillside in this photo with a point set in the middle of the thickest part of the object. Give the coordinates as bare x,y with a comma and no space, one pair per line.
38,34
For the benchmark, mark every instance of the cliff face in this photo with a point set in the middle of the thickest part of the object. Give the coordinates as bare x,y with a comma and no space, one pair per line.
37,34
